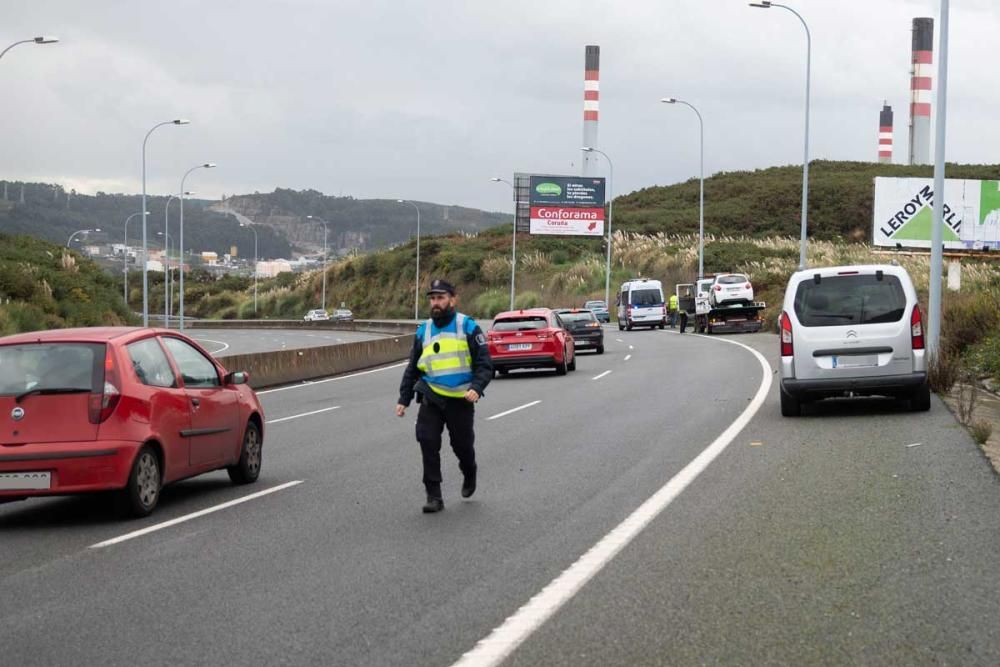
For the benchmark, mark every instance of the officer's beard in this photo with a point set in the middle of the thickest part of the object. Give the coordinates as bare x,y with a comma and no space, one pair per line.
442,316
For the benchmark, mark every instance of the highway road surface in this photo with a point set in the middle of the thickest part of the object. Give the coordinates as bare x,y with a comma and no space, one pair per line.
229,342
650,508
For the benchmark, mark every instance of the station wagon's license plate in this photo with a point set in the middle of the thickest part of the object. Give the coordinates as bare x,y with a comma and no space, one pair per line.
25,481
859,361
518,347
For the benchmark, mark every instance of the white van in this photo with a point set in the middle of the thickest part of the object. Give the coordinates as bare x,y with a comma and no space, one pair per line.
640,304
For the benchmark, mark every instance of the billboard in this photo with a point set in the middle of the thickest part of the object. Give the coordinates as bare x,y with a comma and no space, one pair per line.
566,191
903,213
567,221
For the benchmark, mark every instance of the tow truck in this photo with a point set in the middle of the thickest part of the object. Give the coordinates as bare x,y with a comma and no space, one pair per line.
735,318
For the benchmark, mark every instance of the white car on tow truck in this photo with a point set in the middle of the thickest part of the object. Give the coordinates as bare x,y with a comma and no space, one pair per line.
641,304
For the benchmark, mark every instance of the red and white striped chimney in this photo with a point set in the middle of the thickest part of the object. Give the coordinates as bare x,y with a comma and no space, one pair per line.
920,91
591,107
885,134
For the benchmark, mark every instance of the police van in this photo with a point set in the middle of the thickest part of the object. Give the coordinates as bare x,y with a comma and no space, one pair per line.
640,304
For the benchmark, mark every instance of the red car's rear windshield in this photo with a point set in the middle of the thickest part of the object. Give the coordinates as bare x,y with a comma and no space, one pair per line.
32,366
520,323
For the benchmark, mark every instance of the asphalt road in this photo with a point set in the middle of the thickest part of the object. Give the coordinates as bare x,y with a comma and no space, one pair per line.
859,534
229,342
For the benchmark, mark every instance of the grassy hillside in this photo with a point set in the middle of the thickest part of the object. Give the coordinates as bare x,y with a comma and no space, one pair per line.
768,202
43,286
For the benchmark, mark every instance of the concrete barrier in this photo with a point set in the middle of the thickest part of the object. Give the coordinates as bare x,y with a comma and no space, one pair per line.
268,369
371,326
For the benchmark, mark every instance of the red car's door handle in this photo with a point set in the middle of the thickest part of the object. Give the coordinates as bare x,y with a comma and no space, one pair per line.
196,402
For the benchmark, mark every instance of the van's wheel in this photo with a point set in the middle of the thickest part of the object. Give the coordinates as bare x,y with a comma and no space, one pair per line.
247,469
920,400
600,349
628,326
620,326
561,367
790,406
142,493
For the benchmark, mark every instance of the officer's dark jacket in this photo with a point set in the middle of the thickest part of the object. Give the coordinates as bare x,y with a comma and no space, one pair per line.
482,368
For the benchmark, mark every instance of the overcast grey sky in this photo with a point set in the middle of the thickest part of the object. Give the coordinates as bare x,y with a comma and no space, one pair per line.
426,99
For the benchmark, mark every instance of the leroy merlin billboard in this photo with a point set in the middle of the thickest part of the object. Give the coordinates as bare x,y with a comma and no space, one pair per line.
903,213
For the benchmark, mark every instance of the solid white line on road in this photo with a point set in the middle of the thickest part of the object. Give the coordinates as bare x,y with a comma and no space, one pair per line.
513,410
304,414
500,643
225,346
309,383
619,340
194,515
598,377
627,357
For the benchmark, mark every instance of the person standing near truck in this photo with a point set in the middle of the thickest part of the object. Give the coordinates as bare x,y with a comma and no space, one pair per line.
448,371
672,307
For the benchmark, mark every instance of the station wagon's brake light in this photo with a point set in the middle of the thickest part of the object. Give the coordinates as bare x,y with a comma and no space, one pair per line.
749,286
847,273
103,404
786,336
917,328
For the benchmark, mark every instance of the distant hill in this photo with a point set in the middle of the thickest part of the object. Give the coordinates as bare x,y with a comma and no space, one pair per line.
363,224
768,201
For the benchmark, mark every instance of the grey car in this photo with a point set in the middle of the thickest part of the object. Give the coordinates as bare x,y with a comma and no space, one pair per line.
852,331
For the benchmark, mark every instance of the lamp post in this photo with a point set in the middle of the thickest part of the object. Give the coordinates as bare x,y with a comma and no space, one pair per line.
937,250
79,231
126,254
324,223
513,240
701,177
416,290
180,313
145,250
250,227
166,244
805,160
44,39
611,205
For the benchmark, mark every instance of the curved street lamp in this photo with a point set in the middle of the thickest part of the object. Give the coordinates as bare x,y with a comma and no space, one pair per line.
251,228
145,248
513,242
79,231
611,204
125,253
324,223
43,39
416,290
167,310
206,165
701,178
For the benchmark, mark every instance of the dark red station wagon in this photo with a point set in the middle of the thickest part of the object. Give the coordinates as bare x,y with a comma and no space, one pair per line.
117,408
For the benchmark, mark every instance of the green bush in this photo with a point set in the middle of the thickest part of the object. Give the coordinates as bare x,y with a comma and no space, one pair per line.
526,300
491,302
984,357
969,317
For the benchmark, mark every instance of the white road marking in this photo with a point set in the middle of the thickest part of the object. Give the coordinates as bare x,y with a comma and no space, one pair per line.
627,357
916,444
309,383
225,346
619,340
500,643
513,410
631,347
598,377
304,414
194,515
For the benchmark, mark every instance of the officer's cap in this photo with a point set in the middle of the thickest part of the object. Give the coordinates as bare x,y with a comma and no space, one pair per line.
439,286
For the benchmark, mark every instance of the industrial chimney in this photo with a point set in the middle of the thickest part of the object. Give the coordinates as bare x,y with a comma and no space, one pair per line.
885,134
920,91
591,106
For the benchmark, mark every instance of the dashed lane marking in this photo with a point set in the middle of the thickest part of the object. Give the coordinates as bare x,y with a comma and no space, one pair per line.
304,414
513,410
598,377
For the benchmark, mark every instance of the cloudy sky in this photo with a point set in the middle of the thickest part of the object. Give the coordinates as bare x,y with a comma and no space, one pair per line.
426,99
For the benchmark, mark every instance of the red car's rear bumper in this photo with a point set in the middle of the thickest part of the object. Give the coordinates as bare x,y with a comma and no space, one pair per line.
75,467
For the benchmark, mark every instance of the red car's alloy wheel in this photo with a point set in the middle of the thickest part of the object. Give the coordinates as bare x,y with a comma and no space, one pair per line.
147,478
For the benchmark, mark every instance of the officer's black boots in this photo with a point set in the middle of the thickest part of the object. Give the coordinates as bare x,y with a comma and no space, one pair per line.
433,505
469,484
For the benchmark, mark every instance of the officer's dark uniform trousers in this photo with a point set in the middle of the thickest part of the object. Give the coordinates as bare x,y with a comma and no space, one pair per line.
457,414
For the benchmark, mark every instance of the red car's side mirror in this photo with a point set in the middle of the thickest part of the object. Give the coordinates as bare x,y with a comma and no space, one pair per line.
237,377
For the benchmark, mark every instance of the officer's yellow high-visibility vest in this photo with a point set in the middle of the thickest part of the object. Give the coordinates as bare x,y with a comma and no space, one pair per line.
446,361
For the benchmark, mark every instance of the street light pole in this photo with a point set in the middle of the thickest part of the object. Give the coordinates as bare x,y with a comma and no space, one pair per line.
44,39
701,178
805,160
79,231
145,248
513,241
611,205
180,314
251,228
416,290
125,253
325,230
937,251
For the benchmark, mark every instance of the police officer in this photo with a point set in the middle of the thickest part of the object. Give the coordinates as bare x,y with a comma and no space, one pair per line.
673,310
449,369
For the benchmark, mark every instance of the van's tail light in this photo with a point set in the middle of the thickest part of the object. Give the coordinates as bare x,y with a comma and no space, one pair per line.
104,403
786,336
917,328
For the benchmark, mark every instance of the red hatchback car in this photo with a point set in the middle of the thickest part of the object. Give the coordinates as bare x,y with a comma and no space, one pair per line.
119,408
534,338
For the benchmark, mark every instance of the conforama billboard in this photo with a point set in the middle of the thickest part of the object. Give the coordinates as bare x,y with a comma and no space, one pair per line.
903,213
566,205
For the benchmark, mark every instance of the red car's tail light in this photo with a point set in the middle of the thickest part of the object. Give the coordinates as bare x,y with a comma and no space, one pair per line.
786,336
917,328
104,403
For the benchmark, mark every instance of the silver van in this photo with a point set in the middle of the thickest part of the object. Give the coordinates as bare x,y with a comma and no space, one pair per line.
852,331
